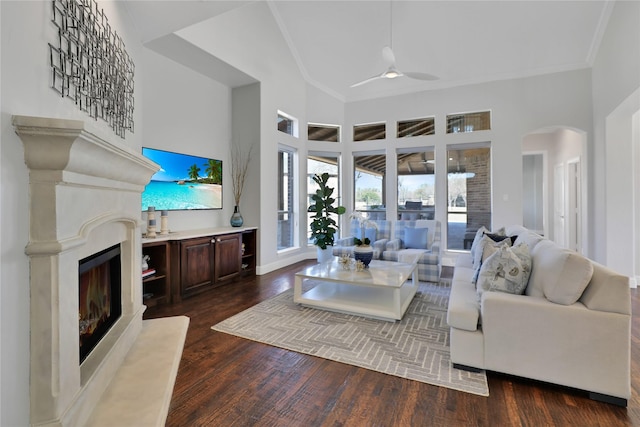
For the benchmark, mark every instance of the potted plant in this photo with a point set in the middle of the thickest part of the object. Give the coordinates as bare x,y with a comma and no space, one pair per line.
323,223
363,251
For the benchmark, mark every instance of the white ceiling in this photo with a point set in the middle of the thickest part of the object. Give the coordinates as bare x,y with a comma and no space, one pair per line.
338,43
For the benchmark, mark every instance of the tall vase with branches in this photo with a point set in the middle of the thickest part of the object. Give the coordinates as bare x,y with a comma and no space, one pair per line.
240,159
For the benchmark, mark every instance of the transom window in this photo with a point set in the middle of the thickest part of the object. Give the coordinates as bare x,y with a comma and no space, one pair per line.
369,132
468,122
327,133
416,127
287,124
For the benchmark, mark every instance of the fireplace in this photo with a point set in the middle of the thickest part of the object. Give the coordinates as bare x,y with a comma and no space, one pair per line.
84,233
99,303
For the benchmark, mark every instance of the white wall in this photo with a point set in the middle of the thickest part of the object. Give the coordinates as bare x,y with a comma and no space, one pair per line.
616,76
26,29
250,40
187,112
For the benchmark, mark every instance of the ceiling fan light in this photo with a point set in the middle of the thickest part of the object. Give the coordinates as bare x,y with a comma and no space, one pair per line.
392,74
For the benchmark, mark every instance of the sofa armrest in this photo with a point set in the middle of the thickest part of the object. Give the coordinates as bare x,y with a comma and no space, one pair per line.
393,245
435,247
569,345
379,245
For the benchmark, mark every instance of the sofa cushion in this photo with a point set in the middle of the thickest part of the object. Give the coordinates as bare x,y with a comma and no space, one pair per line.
506,270
416,238
561,274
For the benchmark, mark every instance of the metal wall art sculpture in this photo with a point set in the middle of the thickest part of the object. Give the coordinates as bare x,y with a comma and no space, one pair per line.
90,64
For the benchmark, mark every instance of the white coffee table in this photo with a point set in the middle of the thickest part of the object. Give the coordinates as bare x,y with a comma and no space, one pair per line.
380,291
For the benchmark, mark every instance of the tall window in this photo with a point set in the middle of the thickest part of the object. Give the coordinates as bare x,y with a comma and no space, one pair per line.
319,164
286,191
469,193
369,184
416,185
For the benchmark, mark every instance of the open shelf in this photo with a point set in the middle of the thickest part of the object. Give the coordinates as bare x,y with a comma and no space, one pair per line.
156,288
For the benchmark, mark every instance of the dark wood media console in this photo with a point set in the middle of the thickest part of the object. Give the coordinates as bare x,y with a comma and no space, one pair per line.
190,262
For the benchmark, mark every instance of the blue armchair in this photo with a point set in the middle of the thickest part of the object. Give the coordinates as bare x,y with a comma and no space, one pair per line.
417,238
379,238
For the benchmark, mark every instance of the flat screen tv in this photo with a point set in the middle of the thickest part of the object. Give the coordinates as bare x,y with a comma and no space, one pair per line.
183,182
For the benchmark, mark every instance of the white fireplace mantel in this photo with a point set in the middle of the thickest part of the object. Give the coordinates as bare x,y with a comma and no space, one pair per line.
84,197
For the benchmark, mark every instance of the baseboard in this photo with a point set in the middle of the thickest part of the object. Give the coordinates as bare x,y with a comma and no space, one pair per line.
618,401
467,368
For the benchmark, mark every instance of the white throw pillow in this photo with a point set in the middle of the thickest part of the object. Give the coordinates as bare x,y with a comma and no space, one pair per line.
506,270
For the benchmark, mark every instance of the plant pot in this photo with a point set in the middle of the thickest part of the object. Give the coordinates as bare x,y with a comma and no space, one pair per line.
325,255
364,254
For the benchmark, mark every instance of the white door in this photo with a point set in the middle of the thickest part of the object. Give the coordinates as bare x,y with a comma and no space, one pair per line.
574,206
558,205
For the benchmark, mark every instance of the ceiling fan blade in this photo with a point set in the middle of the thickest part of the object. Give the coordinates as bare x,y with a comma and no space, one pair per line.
370,79
420,76
388,56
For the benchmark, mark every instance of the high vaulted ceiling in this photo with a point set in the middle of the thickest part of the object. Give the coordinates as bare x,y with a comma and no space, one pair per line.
339,43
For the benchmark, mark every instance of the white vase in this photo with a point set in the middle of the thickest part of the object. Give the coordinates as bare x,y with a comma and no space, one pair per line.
325,255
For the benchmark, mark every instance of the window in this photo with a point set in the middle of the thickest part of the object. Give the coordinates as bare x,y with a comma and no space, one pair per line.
287,124
369,184
369,132
318,164
416,185
469,194
468,122
286,192
417,127
328,133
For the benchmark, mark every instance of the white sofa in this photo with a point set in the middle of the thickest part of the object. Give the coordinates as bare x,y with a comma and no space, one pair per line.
555,332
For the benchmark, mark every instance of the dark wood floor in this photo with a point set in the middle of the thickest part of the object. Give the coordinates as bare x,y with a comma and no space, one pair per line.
228,381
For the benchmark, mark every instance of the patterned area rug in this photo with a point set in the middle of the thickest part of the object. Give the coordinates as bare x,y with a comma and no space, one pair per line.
415,348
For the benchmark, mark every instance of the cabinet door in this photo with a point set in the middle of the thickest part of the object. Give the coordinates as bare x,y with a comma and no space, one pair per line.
196,265
228,256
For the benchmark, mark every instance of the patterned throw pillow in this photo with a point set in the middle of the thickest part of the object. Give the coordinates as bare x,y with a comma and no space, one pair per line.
486,247
482,231
507,270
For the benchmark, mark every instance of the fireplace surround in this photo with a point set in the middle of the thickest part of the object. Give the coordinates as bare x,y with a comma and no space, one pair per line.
84,198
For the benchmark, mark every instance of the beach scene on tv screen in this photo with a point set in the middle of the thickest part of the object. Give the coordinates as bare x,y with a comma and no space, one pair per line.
183,182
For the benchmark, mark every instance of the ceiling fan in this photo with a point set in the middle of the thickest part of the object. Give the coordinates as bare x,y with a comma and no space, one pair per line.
387,54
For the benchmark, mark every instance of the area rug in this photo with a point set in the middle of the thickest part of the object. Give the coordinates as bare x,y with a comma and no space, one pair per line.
415,348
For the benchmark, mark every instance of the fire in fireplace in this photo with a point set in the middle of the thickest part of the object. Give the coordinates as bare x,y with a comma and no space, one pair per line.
99,303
